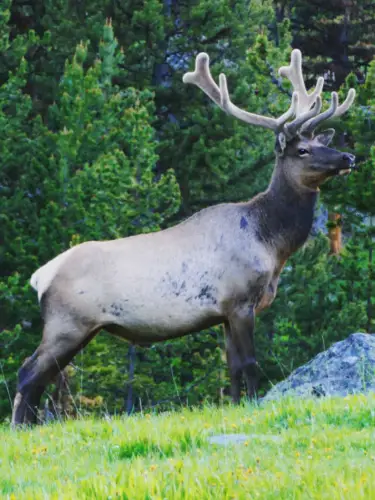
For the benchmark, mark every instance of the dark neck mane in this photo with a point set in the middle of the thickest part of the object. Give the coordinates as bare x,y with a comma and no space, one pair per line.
285,213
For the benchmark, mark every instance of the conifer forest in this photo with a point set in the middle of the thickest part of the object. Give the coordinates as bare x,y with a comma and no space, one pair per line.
100,139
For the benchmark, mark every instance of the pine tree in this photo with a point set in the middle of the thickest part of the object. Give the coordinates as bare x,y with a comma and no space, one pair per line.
88,174
159,44
337,38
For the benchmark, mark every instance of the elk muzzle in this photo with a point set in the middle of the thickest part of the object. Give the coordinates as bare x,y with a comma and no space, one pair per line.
330,162
348,164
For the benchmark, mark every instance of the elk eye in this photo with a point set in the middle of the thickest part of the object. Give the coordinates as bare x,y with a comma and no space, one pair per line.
303,152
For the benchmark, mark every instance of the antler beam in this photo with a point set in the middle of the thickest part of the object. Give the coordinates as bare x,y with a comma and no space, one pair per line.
201,77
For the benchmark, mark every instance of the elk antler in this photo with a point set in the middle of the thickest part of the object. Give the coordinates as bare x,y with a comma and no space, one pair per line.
201,77
294,74
304,107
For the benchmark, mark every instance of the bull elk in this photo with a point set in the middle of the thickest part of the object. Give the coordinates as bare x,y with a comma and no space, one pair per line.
220,266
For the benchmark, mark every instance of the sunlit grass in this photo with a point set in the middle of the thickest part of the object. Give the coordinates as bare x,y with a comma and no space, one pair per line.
323,449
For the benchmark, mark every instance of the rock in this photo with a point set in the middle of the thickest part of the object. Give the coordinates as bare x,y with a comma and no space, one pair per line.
227,439
347,367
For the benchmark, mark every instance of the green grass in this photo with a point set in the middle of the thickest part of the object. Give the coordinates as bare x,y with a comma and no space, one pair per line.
324,449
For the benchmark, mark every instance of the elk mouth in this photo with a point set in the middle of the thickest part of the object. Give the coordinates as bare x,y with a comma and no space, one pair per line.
345,170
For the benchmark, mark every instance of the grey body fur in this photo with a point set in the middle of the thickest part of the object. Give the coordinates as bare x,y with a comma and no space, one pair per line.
128,282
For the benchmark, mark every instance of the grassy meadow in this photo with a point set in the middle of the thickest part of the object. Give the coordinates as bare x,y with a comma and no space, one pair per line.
323,449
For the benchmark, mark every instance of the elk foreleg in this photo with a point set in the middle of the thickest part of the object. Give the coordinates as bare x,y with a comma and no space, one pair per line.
240,348
235,374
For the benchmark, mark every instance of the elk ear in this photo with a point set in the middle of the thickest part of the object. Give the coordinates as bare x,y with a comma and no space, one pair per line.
326,137
280,143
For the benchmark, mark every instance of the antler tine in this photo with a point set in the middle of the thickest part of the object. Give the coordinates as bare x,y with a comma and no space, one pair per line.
294,74
346,104
310,125
292,128
332,112
201,77
281,121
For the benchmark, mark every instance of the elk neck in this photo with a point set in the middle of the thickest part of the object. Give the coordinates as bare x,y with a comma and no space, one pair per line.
284,212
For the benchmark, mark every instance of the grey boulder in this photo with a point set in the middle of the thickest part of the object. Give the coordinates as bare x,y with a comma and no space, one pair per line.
347,367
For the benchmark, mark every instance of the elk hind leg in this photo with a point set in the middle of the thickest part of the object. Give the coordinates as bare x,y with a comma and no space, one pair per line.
59,345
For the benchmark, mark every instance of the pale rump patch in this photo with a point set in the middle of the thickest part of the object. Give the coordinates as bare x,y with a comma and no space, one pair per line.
42,278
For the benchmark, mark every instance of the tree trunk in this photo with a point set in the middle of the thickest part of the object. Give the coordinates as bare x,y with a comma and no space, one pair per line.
334,233
369,280
129,401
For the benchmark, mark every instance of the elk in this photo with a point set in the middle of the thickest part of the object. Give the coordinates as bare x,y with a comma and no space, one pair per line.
220,266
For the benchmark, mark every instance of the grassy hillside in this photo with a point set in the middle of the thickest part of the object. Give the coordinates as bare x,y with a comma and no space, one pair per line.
322,449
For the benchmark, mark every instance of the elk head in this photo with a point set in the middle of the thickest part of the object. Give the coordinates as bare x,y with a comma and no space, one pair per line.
303,157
